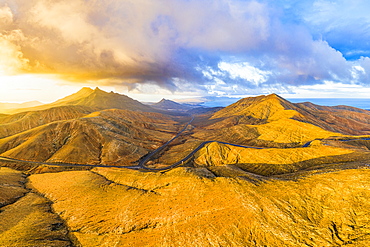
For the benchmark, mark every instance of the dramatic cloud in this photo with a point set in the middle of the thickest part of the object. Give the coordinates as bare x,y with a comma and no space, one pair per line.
221,47
345,25
11,56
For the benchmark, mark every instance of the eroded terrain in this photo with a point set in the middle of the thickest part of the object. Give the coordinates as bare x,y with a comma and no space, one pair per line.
187,206
260,172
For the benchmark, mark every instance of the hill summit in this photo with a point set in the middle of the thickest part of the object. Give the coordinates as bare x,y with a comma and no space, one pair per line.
102,100
169,105
270,108
96,99
262,107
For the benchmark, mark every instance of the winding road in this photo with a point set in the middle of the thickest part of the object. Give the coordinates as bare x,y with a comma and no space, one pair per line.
140,166
142,163
190,155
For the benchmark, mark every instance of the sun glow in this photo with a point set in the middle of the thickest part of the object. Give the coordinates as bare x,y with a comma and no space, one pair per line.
48,88
29,87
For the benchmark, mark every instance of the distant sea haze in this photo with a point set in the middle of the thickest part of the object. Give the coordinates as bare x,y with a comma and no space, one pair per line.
359,103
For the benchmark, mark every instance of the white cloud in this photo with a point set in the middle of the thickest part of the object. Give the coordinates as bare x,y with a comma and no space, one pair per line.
11,57
215,47
245,71
6,16
329,89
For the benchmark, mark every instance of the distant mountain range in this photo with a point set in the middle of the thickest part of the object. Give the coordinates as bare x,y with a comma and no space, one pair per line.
90,126
11,107
95,99
260,172
96,127
170,105
175,107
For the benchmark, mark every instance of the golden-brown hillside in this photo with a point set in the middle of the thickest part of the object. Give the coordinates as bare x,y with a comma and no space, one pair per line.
13,124
189,207
302,180
107,137
97,99
11,107
342,119
26,218
78,133
74,130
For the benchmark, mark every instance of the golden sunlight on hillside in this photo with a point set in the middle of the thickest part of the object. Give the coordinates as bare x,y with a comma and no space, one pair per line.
292,131
164,123
10,185
26,218
260,172
264,161
185,207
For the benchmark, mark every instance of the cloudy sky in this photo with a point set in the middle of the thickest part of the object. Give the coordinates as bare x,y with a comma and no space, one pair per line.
184,48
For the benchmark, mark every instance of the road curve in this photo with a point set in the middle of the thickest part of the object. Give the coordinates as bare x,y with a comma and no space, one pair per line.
140,166
191,155
142,163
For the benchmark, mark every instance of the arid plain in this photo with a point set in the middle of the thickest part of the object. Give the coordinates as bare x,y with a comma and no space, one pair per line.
261,172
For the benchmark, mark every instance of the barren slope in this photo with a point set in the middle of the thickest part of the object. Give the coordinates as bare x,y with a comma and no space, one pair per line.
97,99
11,186
13,124
107,137
187,207
269,161
25,217
341,119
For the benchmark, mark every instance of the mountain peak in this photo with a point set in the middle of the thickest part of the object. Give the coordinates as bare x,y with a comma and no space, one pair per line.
169,105
270,106
167,102
97,89
101,99
85,90
276,96
273,95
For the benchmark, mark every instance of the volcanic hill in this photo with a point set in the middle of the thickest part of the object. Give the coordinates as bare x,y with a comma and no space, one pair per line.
294,136
170,105
260,172
90,126
341,119
96,99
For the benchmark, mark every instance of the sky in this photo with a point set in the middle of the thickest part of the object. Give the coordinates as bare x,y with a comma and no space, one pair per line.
184,48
